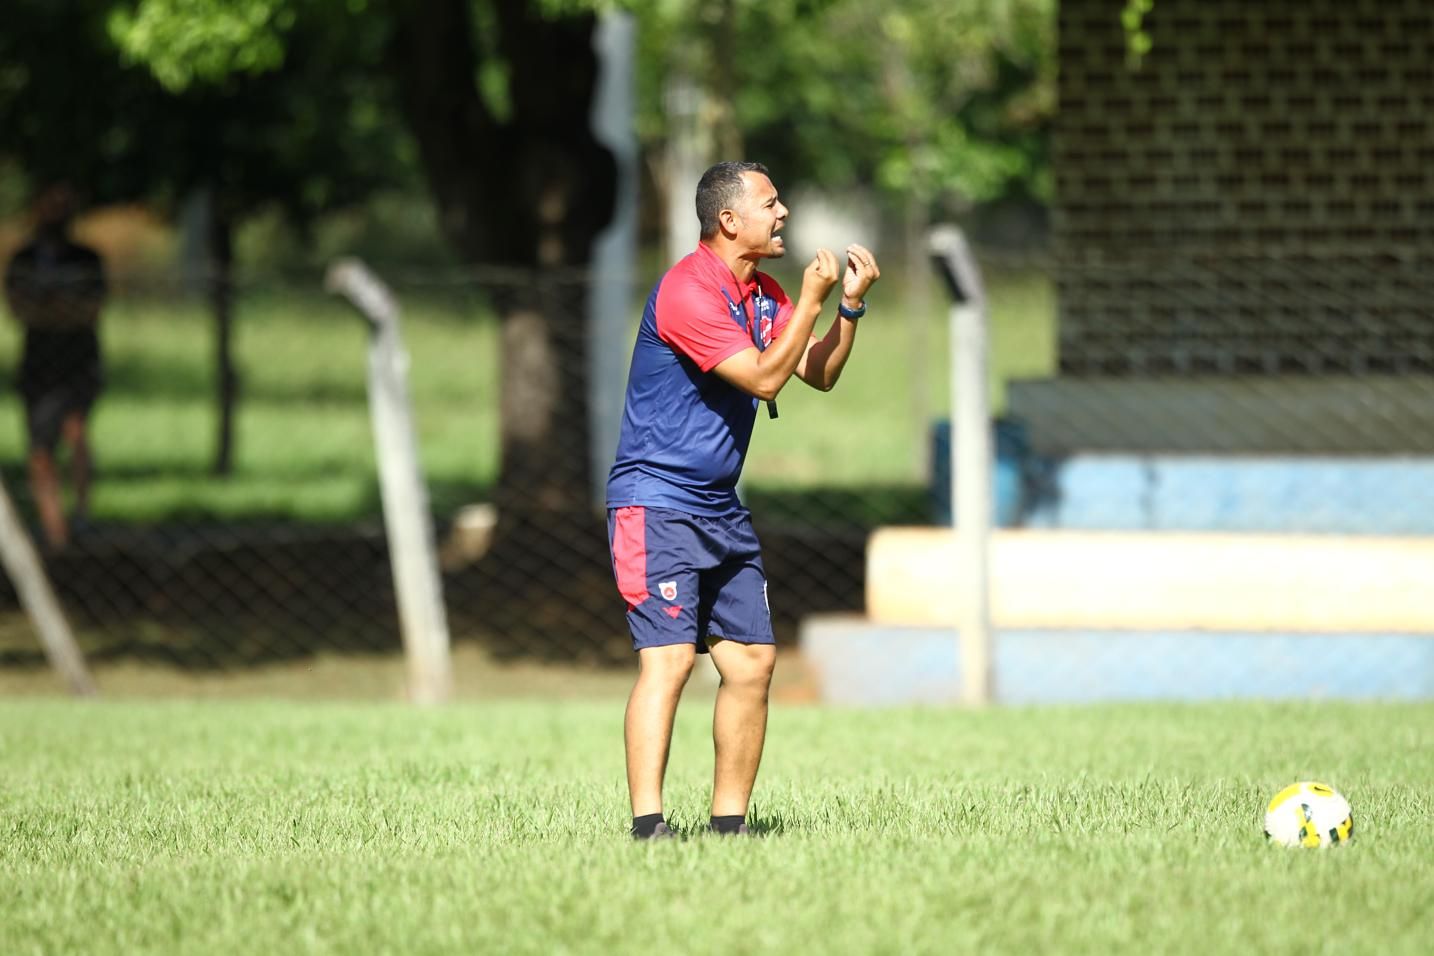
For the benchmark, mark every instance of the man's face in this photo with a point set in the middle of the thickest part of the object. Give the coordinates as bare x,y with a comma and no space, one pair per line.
54,208
760,217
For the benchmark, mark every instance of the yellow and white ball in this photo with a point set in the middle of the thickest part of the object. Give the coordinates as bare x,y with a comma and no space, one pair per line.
1309,814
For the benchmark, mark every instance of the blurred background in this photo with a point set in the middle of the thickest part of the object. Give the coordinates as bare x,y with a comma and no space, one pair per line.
1205,227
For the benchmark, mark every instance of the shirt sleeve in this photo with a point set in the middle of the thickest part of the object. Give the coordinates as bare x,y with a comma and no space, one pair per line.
694,319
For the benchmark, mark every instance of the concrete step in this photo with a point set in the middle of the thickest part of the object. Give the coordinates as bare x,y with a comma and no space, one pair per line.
859,663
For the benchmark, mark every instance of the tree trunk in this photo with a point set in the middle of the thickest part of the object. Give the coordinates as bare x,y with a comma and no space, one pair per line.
221,300
531,192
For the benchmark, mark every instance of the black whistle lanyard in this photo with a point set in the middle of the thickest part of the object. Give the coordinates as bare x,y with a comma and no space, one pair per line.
755,328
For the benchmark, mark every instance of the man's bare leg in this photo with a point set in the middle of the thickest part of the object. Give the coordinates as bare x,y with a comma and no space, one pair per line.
739,722
662,673
45,487
76,435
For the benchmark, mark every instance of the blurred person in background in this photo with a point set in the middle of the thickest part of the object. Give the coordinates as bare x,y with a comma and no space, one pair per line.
55,287
717,338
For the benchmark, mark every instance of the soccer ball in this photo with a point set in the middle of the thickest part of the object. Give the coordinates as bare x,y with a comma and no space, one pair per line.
1309,814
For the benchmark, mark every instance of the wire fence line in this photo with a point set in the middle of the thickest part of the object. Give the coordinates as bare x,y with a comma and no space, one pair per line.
286,555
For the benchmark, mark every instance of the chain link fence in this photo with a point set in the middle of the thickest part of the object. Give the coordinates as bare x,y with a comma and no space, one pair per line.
1220,489
283,554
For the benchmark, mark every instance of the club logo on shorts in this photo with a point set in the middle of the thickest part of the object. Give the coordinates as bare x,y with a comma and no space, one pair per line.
668,590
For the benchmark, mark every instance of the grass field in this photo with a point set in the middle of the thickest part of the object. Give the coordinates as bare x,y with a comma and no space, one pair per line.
304,448
286,827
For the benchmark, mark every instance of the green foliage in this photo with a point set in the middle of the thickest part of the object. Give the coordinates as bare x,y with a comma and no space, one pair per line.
292,113
267,826
1137,40
949,99
70,109
185,40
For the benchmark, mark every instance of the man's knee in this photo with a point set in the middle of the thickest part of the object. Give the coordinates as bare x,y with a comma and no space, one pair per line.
670,665
42,463
745,666
73,429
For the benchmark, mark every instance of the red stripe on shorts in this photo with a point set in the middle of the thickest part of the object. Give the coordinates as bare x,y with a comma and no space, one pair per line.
629,554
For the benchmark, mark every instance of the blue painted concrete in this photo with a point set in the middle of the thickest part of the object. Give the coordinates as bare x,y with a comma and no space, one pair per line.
1153,492
1215,493
1196,492
859,663
1011,452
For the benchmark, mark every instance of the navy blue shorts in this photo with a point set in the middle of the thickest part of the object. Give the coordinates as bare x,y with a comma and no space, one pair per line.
687,578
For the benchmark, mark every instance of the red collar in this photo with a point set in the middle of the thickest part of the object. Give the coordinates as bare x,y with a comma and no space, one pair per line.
722,272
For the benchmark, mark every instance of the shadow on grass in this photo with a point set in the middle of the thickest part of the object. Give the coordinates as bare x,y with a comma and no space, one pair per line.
205,594
859,507
768,824
215,502
184,382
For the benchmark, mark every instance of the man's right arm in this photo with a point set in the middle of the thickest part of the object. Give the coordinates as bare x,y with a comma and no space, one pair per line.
19,292
762,374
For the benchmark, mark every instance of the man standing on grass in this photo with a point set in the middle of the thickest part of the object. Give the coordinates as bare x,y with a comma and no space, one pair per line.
55,287
716,337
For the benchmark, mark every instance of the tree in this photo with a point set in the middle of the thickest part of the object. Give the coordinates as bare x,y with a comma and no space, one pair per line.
497,93
931,101
308,135
496,96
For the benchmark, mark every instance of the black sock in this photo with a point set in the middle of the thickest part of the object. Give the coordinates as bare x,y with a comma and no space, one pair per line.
726,824
643,826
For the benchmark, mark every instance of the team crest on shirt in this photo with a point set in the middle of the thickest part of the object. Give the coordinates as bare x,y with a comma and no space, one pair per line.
668,590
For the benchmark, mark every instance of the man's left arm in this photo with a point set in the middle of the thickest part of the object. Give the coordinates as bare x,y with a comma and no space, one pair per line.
821,364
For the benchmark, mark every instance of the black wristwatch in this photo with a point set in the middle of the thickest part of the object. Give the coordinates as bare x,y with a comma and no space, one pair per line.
852,314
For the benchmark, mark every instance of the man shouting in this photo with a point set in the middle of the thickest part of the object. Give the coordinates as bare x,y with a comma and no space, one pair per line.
717,339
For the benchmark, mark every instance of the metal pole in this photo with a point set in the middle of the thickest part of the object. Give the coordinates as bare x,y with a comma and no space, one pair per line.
610,304
970,457
405,496
27,574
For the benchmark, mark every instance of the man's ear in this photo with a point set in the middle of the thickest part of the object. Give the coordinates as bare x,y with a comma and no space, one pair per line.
728,220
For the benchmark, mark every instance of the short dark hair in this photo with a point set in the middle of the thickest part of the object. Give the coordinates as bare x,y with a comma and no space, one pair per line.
718,189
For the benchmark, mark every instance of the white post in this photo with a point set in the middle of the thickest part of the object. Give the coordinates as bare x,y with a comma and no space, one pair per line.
970,456
405,496
610,315
32,586
686,157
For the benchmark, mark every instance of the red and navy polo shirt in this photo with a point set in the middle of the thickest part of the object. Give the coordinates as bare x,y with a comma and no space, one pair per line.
685,431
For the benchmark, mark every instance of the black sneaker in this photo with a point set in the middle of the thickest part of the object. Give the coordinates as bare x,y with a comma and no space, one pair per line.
659,832
741,830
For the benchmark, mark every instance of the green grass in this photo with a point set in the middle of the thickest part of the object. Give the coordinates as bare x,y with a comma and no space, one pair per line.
263,827
304,446
304,443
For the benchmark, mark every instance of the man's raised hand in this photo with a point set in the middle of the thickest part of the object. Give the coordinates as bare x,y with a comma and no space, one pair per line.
861,272
820,275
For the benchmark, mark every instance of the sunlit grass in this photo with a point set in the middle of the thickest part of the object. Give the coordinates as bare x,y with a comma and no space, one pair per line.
498,827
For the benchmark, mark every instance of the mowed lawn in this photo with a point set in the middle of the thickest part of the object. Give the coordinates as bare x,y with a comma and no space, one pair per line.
287,827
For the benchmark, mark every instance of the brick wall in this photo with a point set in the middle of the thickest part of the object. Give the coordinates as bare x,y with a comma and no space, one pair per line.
1258,196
